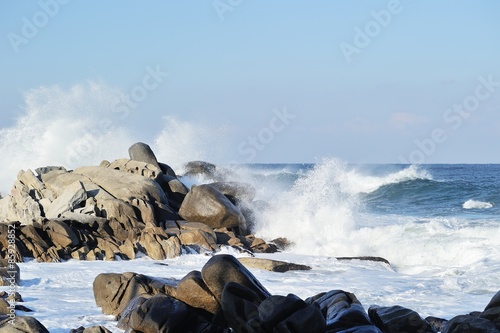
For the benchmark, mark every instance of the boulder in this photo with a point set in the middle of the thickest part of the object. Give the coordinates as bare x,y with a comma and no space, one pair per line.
240,191
470,324
245,312
136,167
112,292
21,324
272,265
395,319
222,269
200,238
193,291
207,205
9,273
492,310
142,152
123,186
71,198
60,233
93,329
157,245
341,310
164,314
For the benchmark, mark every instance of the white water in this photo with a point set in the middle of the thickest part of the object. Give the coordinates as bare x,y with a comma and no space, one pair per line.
474,204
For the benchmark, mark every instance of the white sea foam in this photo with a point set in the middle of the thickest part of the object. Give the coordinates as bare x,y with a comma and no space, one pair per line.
323,214
474,204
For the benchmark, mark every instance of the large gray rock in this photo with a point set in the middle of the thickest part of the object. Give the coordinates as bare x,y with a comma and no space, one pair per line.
222,269
71,198
207,205
113,292
124,186
142,152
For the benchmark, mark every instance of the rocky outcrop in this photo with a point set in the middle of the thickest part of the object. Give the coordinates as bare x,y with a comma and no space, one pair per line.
121,208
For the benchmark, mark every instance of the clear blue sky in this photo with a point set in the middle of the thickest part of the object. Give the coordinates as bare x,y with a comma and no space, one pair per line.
364,99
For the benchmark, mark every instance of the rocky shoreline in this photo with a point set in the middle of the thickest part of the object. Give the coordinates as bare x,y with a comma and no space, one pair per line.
133,206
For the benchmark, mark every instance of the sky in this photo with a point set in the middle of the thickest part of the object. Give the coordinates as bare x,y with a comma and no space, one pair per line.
257,81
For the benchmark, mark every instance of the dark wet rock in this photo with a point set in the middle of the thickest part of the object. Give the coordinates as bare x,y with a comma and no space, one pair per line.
492,310
470,324
164,314
222,269
395,319
341,310
246,312
437,324
366,258
207,205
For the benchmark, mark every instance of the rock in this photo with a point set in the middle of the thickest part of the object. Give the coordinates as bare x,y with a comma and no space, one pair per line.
163,314
21,206
272,265
492,310
395,319
207,205
9,273
157,245
71,198
142,152
176,191
61,234
341,310
195,168
437,324
193,291
43,170
223,268
59,180
199,238
21,324
240,191
112,292
470,324
245,312
93,329
136,167
366,258
123,186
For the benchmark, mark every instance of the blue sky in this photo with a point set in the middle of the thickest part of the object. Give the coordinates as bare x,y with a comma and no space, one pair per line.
234,65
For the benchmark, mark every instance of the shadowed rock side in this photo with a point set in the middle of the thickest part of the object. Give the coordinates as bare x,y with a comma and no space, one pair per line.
121,208
226,297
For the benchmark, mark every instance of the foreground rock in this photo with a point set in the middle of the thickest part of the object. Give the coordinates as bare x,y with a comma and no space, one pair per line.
21,324
226,297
